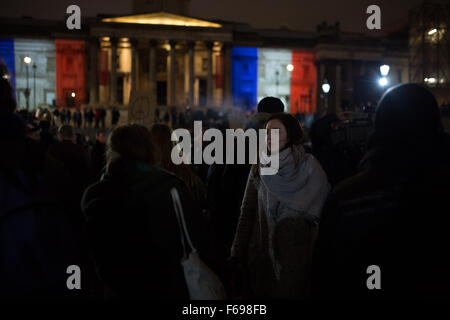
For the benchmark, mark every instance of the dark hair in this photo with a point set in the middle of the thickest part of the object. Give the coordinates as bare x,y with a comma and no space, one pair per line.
294,130
162,145
130,142
270,105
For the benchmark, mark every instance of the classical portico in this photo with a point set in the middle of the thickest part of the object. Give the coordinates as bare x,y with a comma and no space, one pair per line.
180,60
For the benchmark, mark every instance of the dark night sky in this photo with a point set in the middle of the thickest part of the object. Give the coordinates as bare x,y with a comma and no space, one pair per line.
295,14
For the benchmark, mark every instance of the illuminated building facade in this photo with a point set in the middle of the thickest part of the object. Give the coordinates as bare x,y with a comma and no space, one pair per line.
186,61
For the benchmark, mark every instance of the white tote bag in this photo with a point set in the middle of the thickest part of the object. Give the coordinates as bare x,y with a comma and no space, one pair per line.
202,282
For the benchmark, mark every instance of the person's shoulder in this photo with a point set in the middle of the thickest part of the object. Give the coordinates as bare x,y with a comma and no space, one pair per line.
165,177
354,186
94,192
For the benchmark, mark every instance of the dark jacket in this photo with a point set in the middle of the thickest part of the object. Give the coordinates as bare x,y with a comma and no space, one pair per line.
394,215
134,233
98,159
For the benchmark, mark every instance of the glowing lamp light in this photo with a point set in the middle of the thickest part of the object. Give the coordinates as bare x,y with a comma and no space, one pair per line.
73,94
432,31
290,67
384,70
383,81
27,60
326,87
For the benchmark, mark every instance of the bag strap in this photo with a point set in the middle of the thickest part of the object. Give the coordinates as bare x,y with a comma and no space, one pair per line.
181,223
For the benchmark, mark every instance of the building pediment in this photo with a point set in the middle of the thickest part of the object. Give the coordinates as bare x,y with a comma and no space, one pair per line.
164,19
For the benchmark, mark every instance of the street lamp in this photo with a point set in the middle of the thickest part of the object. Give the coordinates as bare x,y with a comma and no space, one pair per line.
290,67
384,70
326,88
34,85
383,81
73,94
277,83
27,61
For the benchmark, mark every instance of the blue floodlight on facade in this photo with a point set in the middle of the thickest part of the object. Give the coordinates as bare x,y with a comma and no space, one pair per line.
244,74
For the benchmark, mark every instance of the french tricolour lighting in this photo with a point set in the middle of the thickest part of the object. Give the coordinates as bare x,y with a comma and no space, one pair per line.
384,70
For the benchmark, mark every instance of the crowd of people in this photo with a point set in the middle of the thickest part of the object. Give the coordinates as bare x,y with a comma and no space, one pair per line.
309,231
77,117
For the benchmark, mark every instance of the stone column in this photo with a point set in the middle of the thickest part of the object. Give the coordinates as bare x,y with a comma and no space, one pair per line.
113,73
337,87
191,75
320,95
152,67
133,64
227,92
171,74
209,79
93,71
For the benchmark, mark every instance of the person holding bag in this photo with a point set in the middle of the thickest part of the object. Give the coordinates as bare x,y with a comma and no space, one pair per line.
132,225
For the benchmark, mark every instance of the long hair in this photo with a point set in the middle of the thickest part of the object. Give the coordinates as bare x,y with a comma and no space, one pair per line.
162,149
162,146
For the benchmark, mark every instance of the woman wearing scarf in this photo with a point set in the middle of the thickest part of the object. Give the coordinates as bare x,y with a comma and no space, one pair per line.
279,218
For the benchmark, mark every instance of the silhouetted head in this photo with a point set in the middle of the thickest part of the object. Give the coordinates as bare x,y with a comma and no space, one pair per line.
100,135
407,112
131,143
66,132
270,105
408,132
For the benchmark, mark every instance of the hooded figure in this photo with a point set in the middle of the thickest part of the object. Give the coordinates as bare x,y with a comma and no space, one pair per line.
394,214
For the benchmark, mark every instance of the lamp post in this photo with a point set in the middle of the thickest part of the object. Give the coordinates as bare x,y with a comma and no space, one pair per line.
277,83
384,70
326,88
34,85
27,61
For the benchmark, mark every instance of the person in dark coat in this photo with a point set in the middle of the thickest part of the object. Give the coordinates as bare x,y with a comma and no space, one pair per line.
46,136
68,116
102,117
115,116
86,117
72,173
35,237
394,214
97,117
132,226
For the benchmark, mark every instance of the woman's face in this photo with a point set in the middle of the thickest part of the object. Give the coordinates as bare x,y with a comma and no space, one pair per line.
283,140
